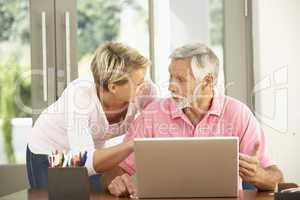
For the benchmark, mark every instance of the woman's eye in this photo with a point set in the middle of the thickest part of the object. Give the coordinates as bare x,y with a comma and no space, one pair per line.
139,84
180,79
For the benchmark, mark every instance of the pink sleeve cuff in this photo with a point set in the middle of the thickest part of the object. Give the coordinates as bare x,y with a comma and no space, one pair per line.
127,168
266,163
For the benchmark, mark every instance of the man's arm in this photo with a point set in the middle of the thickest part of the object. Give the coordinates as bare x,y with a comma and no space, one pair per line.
268,177
255,164
251,171
263,178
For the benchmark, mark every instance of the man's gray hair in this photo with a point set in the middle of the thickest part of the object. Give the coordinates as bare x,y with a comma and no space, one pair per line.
204,60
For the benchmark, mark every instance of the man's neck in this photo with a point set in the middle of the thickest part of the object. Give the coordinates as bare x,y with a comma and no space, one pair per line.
198,110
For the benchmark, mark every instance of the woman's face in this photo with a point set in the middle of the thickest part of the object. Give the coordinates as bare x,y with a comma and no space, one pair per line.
127,92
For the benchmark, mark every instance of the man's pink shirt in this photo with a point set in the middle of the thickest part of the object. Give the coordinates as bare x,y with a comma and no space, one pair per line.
226,117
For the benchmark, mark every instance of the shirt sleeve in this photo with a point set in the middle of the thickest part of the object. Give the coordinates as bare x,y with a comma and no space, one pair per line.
77,115
138,129
89,163
253,134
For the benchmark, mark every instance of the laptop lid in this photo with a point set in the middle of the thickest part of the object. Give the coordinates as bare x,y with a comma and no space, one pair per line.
187,167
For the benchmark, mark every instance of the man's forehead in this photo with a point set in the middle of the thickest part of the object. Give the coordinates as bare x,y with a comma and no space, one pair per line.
182,64
182,61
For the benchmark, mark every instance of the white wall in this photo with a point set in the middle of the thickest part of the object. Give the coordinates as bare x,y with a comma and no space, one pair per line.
276,34
189,22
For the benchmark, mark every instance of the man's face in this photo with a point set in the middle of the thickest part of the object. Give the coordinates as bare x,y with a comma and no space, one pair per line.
183,85
182,82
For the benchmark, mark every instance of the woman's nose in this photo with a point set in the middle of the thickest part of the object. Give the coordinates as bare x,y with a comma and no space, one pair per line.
172,87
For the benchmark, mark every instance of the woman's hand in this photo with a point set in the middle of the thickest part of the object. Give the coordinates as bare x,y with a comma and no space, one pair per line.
146,93
131,145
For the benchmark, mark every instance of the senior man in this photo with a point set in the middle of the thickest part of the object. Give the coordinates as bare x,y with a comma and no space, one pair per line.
197,110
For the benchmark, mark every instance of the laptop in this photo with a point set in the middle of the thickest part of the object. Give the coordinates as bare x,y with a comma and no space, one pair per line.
187,167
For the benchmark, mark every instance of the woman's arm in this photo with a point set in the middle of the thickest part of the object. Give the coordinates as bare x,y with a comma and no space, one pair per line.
106,159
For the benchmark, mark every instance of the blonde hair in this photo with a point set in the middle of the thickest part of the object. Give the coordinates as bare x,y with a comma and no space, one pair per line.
113,61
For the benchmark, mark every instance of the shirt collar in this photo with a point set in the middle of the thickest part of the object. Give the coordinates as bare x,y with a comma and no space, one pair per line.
217,105
175,112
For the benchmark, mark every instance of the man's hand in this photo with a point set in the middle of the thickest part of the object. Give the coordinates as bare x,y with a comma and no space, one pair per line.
249,167
251,171
122,186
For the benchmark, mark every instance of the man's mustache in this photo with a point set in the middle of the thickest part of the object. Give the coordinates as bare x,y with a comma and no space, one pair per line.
177,96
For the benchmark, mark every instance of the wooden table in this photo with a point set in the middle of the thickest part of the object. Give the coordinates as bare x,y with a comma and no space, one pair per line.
43,195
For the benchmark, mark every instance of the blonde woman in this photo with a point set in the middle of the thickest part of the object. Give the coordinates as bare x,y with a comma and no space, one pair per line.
88,113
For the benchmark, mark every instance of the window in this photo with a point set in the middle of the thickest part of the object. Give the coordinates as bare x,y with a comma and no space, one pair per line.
97,21
174,27
100,21
15,81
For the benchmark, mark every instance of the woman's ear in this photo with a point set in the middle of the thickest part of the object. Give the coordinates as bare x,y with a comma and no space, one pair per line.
111,87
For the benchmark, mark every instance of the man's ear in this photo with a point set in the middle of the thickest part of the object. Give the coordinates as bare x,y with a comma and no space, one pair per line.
209,80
